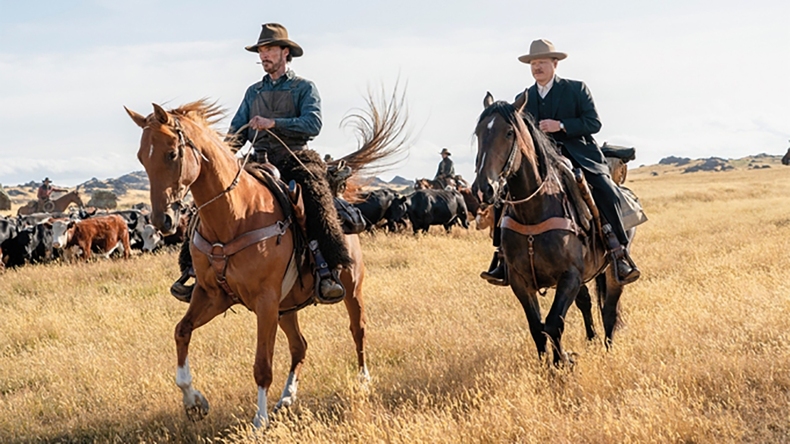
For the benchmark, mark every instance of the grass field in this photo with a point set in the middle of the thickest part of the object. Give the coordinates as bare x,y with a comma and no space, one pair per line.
87,351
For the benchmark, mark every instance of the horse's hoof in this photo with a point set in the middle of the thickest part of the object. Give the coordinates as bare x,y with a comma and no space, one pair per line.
260,421
198,408
284,403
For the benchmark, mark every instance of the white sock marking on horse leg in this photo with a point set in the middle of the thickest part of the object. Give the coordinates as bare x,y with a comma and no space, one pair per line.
364,375
289,392
184,382
261,418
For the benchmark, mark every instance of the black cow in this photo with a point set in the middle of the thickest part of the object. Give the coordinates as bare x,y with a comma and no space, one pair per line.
8,230
136,220
32,244
376,206
433,207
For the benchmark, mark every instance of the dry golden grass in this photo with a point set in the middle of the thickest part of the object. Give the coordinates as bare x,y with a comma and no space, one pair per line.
87,354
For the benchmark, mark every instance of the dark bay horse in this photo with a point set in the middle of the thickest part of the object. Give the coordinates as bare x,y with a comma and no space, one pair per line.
181,152
59,205
512,150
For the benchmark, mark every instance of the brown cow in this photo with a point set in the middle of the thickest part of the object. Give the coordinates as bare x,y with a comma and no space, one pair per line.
105,233
485,219
471,201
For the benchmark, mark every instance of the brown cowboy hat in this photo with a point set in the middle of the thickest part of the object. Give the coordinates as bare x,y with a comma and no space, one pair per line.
444,151
275,34
542,49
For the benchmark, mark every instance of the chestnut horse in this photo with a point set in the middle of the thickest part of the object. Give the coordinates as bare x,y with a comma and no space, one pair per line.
512,150
60,204
181,152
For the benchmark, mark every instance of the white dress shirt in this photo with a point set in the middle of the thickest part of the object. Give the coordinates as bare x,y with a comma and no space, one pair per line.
543,90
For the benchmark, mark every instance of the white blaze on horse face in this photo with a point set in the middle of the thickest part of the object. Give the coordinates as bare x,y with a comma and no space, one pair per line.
151,151
262,417
491,123
289,392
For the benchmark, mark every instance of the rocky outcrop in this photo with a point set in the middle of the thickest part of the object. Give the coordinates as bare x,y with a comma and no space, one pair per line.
103,199
672,160
710,164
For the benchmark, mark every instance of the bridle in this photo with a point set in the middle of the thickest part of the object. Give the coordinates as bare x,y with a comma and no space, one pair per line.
508,170
183,142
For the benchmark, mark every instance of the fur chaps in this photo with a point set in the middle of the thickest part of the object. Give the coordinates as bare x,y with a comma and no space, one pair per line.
323,223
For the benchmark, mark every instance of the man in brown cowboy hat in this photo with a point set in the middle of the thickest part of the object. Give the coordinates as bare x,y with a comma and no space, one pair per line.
289,107
565,111
446,168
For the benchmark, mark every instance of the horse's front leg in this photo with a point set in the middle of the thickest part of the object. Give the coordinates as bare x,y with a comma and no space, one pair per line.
202,309
567,288
266,310
298,348
529,302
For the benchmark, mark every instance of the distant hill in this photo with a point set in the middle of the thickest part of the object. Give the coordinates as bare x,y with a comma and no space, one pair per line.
398,180
685,165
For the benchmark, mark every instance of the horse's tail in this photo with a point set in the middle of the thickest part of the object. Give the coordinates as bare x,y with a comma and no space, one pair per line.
381,132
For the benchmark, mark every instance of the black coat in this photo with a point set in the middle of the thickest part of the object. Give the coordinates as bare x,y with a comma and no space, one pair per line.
570,102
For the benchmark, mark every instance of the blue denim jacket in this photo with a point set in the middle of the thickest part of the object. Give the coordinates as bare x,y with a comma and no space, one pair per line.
306,101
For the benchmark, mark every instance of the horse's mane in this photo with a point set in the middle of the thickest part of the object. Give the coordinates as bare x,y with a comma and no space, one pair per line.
545,153
205,114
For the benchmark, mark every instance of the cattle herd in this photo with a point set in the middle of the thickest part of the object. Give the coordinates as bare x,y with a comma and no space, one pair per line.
387,209
44,237
81,233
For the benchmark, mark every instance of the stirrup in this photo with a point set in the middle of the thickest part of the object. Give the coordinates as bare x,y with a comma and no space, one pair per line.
330,291
497,271
621,254
180,291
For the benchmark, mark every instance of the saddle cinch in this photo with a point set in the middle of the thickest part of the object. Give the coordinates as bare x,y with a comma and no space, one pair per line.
580,195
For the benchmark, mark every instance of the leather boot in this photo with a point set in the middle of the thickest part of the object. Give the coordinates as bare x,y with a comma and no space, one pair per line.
626,269
497,271
330,290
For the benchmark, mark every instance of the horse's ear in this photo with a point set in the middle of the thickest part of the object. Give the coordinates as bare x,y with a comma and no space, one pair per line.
521,101
161,115
488,100
138,119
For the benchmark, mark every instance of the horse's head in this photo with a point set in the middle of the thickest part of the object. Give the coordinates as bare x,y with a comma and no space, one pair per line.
77,197
170,166
501,137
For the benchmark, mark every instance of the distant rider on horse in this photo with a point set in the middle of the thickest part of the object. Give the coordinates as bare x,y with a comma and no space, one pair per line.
289,107
446,168
564,110
45,192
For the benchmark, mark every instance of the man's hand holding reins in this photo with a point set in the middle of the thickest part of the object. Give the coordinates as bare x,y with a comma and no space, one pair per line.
261,123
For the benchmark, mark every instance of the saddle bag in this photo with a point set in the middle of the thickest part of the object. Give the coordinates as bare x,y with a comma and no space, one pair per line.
351,218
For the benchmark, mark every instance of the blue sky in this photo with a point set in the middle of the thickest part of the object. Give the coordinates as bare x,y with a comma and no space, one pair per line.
685,78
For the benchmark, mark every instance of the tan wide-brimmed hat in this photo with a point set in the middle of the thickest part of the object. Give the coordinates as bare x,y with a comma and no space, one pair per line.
542,49
275,34
444,151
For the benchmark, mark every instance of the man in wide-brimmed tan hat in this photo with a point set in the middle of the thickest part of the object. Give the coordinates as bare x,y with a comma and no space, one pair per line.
565,111
289,107
446,168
